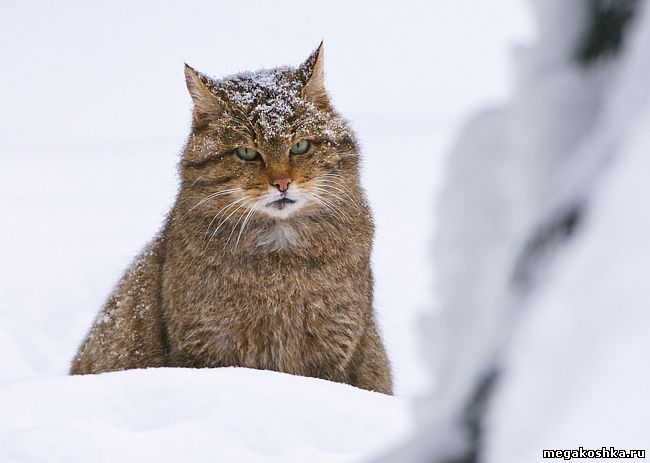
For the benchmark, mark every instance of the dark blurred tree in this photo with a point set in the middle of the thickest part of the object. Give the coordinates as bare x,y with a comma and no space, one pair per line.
607,21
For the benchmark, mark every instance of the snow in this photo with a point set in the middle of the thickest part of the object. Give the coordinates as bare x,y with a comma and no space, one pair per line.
14,366
504,179
560,321
94,114
267,95
272,98
574,368
170,414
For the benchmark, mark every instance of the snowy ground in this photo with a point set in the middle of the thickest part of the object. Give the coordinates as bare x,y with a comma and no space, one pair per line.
215,415
94,114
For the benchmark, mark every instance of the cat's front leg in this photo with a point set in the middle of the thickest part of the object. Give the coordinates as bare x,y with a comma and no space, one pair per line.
369,368
329,341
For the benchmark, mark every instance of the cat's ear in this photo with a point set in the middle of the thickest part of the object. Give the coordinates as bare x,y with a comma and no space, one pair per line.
313,77
206,103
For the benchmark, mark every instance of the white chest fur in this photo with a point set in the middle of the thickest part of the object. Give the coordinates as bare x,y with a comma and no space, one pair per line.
277,237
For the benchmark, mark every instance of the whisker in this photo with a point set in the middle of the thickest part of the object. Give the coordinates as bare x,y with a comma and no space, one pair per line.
333,181
326,193
334,178
223,209
328,206
333,205
254,208
337,185
324,190
221,223
331,210
234,227
212,196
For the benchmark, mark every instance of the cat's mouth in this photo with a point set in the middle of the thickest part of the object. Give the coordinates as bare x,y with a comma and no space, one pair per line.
284,204
281,203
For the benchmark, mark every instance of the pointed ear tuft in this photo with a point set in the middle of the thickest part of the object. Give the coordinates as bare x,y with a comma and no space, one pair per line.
313,75
206,103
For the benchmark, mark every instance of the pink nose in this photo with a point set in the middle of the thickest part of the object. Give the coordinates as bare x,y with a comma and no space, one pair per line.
282,184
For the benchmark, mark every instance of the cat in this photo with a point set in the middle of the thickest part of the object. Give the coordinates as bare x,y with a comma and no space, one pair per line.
264,260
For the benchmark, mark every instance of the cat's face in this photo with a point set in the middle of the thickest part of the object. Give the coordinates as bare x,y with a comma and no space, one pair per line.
268,143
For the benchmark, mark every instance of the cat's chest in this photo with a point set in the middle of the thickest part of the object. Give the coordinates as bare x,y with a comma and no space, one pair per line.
282,315
289,324
288,335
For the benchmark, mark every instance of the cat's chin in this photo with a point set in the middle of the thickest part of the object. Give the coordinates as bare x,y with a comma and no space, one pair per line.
282,210
282,206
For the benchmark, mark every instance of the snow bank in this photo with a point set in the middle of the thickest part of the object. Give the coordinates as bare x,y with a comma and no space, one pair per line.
169,414
541,333
576,372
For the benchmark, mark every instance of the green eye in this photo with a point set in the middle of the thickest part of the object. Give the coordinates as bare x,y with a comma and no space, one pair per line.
300,147
247,154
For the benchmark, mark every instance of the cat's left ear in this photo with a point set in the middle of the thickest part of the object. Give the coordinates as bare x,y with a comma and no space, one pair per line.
313,77
206,103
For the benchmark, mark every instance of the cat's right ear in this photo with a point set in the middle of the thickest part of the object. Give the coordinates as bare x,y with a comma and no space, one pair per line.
206,103
311,72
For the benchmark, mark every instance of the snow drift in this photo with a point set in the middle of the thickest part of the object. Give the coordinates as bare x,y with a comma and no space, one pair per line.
542,250
169,414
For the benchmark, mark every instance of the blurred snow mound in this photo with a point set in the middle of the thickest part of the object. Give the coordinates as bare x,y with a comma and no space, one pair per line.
542,255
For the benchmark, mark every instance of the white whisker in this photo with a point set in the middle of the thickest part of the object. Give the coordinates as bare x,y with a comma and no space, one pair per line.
212,196
221,223
329,206
254,208
326,191
335,182
223,209
234,227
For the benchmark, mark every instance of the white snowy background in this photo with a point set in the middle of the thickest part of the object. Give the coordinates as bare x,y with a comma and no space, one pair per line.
480,131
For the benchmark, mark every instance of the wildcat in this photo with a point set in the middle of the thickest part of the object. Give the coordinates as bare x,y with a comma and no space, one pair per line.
264,260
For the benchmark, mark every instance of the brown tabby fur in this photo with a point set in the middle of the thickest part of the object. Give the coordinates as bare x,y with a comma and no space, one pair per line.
232,280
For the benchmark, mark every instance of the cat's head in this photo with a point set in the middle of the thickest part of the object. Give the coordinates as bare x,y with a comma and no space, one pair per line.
268,143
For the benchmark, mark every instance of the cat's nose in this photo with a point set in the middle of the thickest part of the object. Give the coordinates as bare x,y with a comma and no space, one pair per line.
282,184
